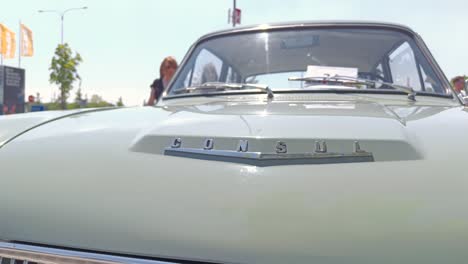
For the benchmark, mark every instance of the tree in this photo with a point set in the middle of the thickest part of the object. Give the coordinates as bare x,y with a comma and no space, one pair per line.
63,71
78,96
95,99
120,102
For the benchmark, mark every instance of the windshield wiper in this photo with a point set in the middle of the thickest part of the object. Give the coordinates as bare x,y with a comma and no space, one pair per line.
339,78
230,86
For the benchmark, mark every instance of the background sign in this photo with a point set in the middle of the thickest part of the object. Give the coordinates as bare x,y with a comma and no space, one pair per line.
37,108
237,16
12,84
1,90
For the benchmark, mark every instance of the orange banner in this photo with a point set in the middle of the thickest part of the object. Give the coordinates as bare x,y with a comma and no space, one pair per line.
8,40
27,47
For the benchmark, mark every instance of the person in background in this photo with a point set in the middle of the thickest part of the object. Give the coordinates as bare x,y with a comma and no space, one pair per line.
166,72
459,85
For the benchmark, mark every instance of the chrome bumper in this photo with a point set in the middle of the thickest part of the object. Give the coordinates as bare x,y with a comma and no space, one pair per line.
15,253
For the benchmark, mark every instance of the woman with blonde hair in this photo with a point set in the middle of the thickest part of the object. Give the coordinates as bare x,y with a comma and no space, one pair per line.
166,72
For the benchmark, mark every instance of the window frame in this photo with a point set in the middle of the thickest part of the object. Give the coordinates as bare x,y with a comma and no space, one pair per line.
418,42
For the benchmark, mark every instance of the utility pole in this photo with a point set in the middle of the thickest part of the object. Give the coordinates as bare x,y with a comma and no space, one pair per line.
62,17
234,15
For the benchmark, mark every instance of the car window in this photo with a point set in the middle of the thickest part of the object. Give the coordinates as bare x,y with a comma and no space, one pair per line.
429,83
207,68
187,81
379,72
270,58
279,79
404,68
231,75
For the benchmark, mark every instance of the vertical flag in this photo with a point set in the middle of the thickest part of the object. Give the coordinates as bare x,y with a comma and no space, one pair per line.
27,47
8,38
237,16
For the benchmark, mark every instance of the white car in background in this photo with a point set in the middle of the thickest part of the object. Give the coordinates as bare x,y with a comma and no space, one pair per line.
316,142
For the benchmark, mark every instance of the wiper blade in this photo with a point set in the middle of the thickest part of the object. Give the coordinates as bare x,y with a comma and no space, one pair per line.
230,86
410,91
406,89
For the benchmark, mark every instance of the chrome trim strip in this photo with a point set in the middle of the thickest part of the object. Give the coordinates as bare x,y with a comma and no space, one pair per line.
45,122
43,255
306,24
269,159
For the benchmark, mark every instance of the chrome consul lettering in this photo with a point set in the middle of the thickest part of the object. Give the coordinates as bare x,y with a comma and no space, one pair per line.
321,147
243,146
176,143
281,147
209,144
357,148
280,156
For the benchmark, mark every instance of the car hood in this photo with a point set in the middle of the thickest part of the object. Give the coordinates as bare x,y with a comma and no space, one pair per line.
386,130
101,181
391,132
13,125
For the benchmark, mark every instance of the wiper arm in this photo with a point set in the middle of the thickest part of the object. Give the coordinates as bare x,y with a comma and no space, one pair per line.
411,93
231,86
406,89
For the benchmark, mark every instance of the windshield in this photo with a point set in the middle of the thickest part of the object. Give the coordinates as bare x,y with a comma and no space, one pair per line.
292,59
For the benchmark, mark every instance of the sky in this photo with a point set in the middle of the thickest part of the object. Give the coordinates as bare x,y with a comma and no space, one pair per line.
122,42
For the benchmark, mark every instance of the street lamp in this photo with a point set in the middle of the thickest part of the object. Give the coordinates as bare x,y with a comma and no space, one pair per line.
62,14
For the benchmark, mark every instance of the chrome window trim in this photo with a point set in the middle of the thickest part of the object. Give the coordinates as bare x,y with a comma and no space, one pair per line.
306,24
318,25
295,91
47,255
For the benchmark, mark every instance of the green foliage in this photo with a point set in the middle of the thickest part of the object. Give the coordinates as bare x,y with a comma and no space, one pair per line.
95,102
96,99
52,106
78,96
120,102
63,71
100,104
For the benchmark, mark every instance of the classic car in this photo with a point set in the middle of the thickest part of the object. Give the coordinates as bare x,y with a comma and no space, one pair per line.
315,142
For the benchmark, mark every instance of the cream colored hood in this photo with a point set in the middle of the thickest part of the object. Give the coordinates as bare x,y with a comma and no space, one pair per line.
101,181
13,125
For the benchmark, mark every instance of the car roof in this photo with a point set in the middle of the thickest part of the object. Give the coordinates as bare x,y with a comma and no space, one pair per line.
308,24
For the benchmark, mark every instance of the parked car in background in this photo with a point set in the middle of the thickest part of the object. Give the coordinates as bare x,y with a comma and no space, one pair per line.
315,142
